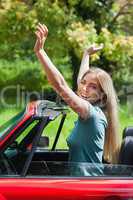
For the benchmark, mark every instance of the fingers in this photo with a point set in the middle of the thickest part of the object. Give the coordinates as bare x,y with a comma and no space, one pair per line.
93,49
42,30
41,35
37,33
38,43
93,46
100,47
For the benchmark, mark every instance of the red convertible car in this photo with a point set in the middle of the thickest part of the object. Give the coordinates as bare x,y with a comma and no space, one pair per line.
32,169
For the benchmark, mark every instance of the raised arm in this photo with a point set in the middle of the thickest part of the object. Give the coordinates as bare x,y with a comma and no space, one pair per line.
55,78
84,66
86,59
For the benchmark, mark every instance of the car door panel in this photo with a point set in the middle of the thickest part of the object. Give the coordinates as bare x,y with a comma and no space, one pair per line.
65,189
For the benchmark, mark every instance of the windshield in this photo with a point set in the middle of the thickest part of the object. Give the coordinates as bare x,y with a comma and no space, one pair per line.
6,127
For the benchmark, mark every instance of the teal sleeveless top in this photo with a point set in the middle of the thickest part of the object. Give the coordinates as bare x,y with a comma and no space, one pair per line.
86,142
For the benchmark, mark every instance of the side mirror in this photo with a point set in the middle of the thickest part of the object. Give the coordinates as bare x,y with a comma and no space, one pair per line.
44,142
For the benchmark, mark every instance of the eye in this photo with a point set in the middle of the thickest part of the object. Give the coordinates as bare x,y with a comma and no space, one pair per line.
83,81
93,86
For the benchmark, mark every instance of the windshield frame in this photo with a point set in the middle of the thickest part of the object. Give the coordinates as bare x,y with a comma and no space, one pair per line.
9,125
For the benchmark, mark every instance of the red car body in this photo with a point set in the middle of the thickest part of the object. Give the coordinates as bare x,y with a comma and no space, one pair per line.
65,189
22,183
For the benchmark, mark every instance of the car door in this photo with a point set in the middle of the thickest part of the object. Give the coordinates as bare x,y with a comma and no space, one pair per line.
14,188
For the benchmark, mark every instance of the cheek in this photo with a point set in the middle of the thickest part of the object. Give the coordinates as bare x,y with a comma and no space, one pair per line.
95,93
79,89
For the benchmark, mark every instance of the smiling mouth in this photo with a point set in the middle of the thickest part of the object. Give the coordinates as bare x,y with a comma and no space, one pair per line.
89,98
84,97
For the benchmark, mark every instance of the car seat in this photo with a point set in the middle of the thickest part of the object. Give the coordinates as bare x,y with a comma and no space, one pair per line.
126,151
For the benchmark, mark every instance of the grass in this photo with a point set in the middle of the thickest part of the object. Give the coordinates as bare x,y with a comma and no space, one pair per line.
50,131
126,119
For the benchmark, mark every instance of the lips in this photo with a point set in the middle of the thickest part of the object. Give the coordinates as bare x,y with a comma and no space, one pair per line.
84,97
90,99
87,98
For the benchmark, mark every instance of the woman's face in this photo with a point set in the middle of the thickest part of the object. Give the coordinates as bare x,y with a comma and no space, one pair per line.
89,88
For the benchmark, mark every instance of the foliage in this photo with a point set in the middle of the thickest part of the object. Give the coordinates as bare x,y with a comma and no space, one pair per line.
118,49
98,11
125,16
82,35
73,25
23,73
27,75
17,23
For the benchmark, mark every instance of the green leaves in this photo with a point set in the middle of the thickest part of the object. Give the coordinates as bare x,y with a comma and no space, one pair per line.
73,25
81,35
17,23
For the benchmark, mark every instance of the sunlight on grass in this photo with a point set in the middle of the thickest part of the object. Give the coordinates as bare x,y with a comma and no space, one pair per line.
125,119
52,128
6,114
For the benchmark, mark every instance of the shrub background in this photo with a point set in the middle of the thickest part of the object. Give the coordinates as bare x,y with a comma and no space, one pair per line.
73,25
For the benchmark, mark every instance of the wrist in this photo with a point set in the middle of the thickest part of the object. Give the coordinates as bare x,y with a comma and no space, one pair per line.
86,52
37,52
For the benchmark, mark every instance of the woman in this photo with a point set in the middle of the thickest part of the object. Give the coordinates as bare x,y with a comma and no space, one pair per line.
95,134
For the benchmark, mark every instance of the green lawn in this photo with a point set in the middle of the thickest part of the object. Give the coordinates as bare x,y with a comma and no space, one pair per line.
125,120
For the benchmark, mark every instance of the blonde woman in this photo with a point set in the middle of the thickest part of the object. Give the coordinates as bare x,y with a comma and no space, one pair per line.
95,134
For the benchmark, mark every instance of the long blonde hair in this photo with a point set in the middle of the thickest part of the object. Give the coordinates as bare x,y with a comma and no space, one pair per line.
112,140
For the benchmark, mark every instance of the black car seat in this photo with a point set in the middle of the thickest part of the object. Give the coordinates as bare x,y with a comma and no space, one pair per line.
126,151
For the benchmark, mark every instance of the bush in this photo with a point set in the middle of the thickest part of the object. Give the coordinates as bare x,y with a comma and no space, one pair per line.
28,76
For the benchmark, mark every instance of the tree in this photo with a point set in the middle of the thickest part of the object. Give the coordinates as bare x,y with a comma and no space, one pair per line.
116,57
73,25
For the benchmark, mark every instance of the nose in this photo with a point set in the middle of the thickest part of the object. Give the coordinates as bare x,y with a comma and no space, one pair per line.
84,88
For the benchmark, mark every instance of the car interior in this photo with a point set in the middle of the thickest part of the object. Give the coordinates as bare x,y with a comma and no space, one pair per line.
30,154
126,151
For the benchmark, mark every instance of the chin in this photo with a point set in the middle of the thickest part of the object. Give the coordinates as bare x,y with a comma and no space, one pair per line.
92,101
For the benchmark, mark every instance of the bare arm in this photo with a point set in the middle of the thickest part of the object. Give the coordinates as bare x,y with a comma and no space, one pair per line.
55,78
84,67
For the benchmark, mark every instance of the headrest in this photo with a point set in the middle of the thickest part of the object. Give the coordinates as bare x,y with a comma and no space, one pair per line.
128,131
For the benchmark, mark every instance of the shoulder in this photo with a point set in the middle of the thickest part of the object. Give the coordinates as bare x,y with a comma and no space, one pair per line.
96,113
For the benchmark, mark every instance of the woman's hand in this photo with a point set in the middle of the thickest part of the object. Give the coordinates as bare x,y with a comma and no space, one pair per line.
93,49
41,35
